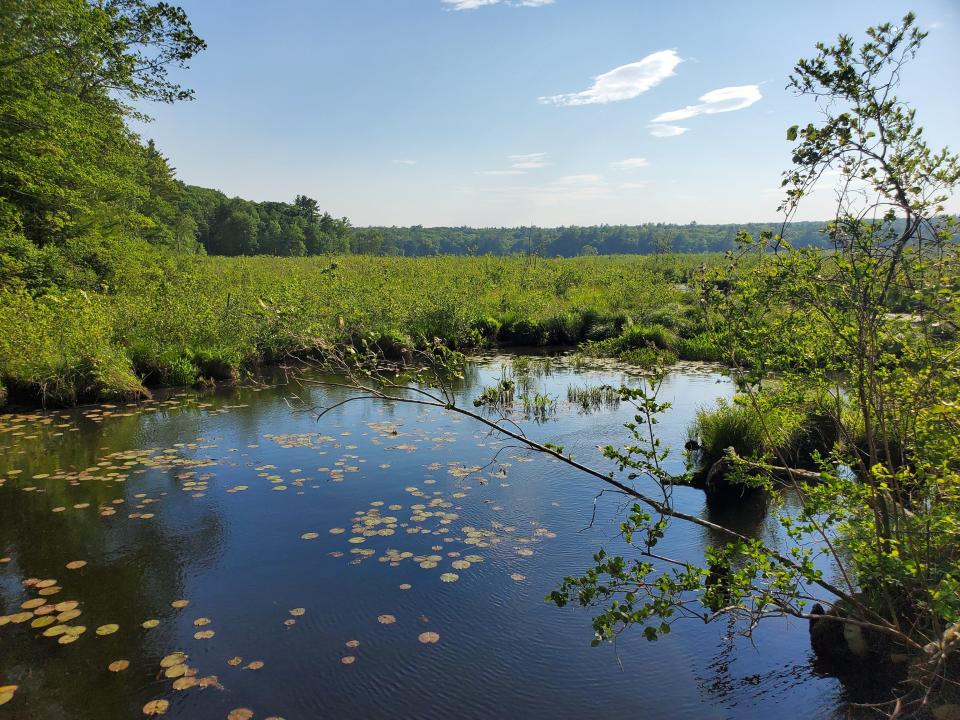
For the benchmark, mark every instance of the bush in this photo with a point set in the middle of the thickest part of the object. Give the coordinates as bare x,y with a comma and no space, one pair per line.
59,349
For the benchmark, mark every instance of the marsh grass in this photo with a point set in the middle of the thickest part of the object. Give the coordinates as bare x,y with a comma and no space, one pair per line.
593,397
174,320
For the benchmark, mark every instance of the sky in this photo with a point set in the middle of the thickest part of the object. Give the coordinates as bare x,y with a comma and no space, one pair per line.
523,112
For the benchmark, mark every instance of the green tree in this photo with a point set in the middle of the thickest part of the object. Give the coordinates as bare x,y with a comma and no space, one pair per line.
234,229
69,166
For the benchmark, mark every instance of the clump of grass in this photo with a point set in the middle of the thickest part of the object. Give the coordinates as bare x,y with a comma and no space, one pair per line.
643,345
727,424
524,366
770,427
594,397
704,347
539,406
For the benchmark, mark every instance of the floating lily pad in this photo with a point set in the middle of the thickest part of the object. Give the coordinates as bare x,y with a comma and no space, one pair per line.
175,671
184,683
118,666
156,707
428,638
173,659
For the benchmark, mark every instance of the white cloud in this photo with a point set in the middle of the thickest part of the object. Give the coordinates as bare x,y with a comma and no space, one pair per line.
474,4
530,161
623,83
501,172
720,100
404,162
662,131
633,185
630,164
469,4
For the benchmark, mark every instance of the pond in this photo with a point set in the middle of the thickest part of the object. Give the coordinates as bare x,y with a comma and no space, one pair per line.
220,525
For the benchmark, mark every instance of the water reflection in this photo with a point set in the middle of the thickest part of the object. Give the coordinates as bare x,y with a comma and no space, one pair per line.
249,511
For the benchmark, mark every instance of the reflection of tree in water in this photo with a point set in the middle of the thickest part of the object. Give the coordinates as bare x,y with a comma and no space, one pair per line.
721,686
135,569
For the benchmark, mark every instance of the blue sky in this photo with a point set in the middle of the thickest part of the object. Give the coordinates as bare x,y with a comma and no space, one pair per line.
509,112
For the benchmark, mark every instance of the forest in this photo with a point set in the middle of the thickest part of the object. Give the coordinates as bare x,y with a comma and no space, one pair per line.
822,391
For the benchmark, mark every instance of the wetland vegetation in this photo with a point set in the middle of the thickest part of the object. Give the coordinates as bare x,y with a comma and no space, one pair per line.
346,491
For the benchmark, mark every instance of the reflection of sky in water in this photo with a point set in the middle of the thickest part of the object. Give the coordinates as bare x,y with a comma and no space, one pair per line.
238,557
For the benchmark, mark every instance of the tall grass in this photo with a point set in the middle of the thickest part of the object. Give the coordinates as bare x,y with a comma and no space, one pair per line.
170,320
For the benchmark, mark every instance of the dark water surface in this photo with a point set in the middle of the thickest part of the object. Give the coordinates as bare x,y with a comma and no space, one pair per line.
209,498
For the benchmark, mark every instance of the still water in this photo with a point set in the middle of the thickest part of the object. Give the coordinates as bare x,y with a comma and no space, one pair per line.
229,527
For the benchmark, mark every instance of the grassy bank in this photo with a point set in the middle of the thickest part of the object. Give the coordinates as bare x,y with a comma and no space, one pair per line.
171,320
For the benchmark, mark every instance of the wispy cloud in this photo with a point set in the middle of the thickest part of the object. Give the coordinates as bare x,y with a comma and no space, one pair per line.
630,164
530,161
662,131
405,162
475,4
633,185
720,100
624,82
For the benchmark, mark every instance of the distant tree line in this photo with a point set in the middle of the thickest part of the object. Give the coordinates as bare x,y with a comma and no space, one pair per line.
646,239
233,226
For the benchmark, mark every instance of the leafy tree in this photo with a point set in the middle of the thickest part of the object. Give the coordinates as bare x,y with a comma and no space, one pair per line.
233,230
69,166
367,242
